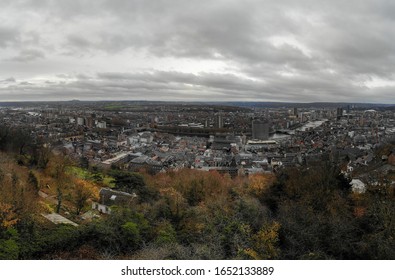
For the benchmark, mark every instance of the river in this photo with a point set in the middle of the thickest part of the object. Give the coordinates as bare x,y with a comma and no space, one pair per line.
308,125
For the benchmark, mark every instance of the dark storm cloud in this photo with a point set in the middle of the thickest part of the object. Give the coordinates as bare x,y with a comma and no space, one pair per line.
180,86
8,36
203,80
258,50
9,80
191,28
28,55
79,41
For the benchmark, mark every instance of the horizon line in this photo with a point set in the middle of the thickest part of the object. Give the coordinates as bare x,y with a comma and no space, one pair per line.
194,101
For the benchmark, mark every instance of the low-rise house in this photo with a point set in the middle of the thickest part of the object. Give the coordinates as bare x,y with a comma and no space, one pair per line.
109,197
358,186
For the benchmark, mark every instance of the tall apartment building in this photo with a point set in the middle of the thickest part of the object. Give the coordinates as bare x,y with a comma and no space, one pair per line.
219,121
260,129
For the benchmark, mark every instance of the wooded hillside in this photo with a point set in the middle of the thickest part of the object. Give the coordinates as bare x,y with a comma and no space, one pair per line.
308,213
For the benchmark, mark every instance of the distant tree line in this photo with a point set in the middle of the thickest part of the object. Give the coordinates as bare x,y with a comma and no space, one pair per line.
29,150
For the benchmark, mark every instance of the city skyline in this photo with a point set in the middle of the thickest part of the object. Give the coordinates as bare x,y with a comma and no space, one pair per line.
266,51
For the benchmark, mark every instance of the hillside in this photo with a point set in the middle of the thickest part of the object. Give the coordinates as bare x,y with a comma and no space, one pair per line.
308,213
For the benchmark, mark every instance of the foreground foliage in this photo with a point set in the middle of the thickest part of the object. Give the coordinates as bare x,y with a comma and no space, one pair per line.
308,213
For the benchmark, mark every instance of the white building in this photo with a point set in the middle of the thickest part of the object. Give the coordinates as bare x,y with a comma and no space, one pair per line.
358,186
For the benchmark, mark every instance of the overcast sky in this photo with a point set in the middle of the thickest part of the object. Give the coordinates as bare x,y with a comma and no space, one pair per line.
198,50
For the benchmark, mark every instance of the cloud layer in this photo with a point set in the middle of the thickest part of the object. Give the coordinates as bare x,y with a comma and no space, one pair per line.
257,50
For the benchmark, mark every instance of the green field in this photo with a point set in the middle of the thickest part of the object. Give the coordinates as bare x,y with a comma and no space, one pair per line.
87,175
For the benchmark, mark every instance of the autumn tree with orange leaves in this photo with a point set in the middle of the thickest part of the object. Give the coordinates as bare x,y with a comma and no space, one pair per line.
83,191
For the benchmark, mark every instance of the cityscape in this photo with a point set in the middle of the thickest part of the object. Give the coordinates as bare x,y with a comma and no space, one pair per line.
243,140
159,180
197,130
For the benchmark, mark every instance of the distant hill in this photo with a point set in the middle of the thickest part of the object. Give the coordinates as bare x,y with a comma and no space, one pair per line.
251,104
306,105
